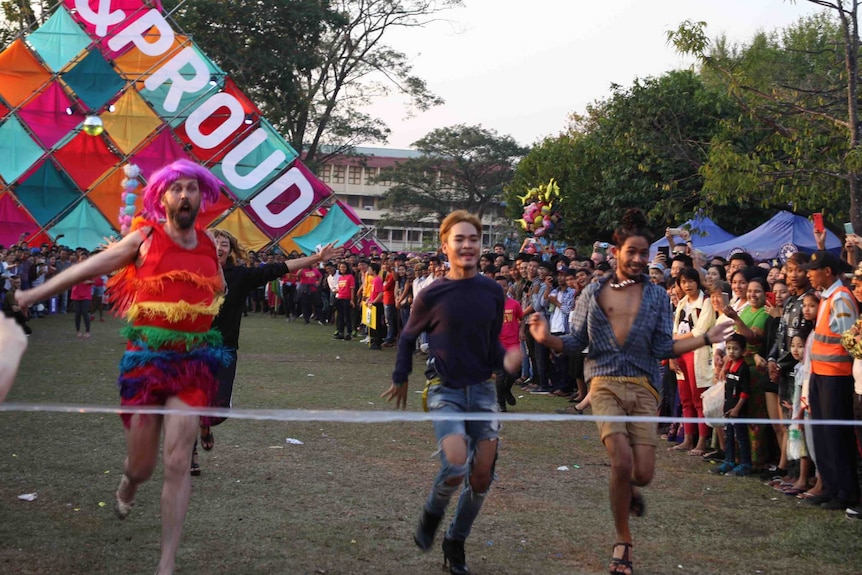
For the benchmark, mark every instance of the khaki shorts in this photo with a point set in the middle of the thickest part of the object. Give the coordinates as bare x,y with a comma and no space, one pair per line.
625,396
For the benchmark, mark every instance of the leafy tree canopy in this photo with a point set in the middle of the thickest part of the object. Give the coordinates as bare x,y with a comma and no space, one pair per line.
642,147
312,65
795,142
461,167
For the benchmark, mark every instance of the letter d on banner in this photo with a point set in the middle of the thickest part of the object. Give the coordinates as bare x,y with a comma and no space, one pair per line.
292,177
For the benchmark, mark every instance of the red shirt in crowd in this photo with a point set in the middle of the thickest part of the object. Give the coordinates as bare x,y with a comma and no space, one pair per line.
376,287
309,276
346,283
389,289
512,315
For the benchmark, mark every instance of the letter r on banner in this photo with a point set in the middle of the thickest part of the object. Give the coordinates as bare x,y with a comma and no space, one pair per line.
172,71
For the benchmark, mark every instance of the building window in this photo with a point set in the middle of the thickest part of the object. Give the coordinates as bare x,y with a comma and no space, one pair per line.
324,173
385,177
354,176
370,174
368,202
353,201
396,235
338,174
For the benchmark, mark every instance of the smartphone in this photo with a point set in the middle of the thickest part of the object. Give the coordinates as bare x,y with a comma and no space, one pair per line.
818,222
770,298
848,228
666,251
725,299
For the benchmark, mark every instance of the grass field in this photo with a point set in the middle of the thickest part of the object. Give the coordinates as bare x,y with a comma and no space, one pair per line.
346,501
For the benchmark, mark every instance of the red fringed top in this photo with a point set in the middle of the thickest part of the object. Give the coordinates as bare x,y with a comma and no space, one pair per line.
175,288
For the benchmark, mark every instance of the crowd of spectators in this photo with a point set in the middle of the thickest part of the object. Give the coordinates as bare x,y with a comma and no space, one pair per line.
23,267
772,303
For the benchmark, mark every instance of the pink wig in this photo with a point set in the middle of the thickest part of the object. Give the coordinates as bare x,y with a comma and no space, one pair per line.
161,180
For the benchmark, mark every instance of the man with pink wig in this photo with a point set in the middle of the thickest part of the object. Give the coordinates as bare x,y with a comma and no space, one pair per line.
169,286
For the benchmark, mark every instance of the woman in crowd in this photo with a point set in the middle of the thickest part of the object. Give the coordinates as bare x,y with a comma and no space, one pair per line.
774,312
82,293
693,318
345,294
714,275
751,323
739,290
773,275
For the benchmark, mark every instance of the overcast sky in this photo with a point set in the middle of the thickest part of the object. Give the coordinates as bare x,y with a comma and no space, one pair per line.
521,68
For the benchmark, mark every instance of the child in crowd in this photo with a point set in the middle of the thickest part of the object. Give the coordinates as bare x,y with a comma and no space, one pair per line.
737,389
800,373
810,306
509,338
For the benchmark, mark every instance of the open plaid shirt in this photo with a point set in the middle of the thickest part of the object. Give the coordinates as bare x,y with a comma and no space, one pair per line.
649,341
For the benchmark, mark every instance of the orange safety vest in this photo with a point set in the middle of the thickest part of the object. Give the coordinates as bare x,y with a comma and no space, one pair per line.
828,356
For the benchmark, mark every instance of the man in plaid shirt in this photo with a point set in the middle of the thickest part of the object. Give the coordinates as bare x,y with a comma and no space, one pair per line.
627,323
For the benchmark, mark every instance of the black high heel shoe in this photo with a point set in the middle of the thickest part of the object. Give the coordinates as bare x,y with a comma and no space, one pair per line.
453,557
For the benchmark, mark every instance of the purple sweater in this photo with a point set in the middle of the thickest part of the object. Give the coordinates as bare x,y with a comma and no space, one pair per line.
463,319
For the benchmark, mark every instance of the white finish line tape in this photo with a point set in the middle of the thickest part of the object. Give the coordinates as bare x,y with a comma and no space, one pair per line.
355,416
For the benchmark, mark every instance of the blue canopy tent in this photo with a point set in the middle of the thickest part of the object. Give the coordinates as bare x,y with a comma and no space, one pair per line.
783,234
704,231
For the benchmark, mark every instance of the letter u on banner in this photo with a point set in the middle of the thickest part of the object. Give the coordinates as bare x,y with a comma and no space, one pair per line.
260,203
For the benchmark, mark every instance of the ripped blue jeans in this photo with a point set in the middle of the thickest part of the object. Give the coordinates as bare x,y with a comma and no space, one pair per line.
481,397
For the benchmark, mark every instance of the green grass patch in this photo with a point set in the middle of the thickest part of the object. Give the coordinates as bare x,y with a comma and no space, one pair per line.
346,501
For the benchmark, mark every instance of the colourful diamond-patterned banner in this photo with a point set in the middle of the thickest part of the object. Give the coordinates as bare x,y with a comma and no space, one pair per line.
159,98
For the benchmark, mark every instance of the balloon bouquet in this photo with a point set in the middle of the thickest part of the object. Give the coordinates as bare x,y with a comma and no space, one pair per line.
129,197
540,216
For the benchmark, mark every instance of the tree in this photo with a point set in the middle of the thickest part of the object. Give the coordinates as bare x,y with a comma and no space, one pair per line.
642,147
312,65
18,16
265,48
798,140
461,167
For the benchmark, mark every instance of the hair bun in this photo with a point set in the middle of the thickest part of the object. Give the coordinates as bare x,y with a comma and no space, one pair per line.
634,219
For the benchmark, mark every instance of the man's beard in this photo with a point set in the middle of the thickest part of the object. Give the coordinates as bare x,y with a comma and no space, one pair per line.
184,221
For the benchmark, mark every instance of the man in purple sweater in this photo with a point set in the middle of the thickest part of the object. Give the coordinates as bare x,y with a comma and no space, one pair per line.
462,313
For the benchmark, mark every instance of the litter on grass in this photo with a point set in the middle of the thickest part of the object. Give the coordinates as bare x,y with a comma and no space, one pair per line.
27,497
293,441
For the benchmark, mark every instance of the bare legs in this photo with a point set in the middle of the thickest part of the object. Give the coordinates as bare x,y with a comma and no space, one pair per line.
631,466
180,431
773,408
585,402
142,442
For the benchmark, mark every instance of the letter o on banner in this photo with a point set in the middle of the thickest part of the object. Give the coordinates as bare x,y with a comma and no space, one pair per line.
207,109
